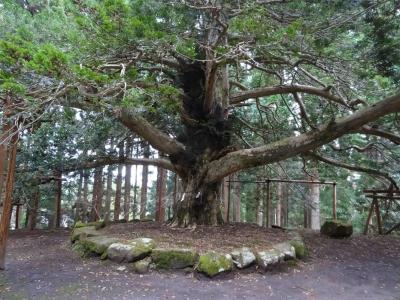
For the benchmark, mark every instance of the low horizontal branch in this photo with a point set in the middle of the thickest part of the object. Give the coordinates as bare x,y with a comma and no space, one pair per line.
239,97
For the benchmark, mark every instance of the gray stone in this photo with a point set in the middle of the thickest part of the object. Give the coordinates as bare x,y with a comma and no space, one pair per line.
243,257
269,257
288,251
212,263
130,251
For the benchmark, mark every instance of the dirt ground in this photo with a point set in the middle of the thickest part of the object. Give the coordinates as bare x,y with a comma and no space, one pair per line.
41,265
222,238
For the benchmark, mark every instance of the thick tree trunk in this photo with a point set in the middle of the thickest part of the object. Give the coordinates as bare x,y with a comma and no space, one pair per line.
32,219
143,191
7,202
199,205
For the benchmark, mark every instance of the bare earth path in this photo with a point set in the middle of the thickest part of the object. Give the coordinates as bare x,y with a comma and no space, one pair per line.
41,265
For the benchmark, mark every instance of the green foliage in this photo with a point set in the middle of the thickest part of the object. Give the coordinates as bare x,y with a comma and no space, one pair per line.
48,60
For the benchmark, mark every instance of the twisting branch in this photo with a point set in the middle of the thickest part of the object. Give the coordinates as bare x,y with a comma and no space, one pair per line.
381,133
339,164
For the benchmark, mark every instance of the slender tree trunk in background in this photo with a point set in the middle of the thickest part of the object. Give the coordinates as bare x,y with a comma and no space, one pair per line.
175,190
259,215
161,192
7,202
279,202
314,201
97,193
17,211
135,205
127,190
57,200
32,219
143,191
78,203
135,194
225,195
85,194
117,201
284,205
108,193
236,186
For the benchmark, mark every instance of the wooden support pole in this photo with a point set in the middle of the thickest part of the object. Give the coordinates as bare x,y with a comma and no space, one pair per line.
334,201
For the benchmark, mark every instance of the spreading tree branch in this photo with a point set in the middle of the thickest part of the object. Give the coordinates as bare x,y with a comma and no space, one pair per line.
296,145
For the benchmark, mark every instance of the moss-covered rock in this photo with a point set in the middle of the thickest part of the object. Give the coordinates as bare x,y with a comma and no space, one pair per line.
80,249
297,241
97,224
83,232
130,251
269,257
243,257
299,247
98,244
337,229
212,263
141,266
286,249
173,258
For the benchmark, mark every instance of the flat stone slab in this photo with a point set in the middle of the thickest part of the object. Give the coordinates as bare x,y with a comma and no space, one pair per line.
213,263
269,257
173,258
243,257
130,251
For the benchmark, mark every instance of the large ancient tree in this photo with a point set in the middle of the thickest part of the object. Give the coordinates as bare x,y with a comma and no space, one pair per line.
185,75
